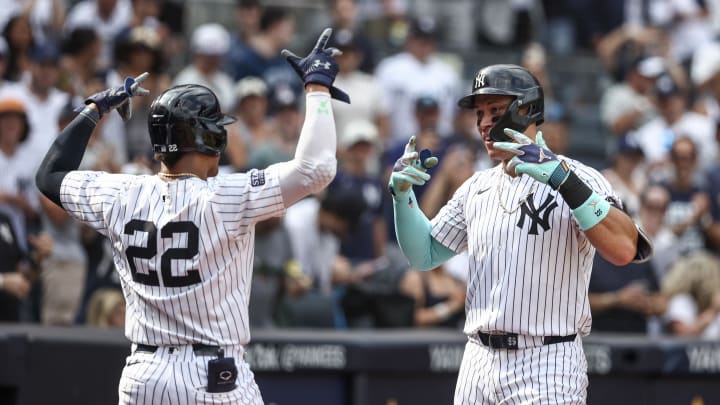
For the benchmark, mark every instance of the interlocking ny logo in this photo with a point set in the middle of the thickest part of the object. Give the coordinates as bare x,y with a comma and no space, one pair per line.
538,216
480,80
319,63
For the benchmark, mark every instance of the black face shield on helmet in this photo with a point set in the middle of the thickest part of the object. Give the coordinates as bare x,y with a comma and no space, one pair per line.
509,80
187,118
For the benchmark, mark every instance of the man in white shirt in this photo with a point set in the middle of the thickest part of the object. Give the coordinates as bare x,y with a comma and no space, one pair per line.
209,44
415,72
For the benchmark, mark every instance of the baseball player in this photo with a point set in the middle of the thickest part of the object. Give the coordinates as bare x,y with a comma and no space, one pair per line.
530,226
183,239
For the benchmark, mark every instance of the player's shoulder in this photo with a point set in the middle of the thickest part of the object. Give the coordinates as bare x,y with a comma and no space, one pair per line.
108,178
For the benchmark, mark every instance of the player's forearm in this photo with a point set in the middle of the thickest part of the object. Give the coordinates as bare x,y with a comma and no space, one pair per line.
66,153
314,164
615,237
412,229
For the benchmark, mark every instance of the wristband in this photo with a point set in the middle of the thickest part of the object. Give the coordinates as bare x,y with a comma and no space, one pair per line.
591,212
574,191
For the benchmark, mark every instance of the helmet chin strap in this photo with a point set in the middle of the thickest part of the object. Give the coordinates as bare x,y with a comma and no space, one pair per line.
511,119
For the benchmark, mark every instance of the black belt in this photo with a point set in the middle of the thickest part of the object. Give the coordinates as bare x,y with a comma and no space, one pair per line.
510,340
198,348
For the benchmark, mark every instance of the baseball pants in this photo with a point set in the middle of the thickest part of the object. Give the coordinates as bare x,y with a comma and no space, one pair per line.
176,375
549,374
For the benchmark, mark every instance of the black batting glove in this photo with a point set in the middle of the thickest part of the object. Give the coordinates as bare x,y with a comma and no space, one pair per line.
318,66
119,97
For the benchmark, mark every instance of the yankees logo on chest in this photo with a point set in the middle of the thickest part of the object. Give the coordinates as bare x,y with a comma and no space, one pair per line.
536,216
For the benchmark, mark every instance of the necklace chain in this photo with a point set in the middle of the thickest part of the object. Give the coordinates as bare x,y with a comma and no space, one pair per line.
521,201
176,175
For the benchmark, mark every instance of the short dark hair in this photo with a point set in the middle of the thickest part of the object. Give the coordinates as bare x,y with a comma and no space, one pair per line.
78,40
272,16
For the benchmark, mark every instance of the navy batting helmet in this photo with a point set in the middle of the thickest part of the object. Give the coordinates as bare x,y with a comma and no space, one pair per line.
187,118
509,80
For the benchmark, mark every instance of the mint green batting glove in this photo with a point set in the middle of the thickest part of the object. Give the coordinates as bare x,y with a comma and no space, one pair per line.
534,159
537,160
411,169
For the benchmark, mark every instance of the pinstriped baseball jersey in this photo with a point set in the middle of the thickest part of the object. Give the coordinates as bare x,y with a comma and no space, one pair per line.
183,248
529,261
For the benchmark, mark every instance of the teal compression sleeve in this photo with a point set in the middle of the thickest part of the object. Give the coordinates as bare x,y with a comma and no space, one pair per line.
412,229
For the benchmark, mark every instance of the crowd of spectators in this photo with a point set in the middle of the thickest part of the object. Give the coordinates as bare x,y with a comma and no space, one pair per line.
333,261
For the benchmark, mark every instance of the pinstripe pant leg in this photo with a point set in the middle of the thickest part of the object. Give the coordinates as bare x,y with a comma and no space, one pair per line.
474,385
552,374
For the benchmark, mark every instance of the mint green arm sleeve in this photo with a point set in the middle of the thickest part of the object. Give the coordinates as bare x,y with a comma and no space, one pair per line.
412,229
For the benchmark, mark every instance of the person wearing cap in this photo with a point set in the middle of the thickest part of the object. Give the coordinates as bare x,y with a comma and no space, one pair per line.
414,72
369,101
626,105
625,173
209,44
357,168
675,120
43,100
253,127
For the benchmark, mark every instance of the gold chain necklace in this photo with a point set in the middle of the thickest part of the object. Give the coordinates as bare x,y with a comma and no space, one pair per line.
176,175
521,201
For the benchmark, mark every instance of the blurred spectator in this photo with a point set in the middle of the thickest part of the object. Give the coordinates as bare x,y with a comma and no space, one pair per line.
260,56
357,161
107,17
17,166
654,202
439,298
418,72
64,270
625,298
455,167
693,286
107,309
251,110
47,17
705,76
209,45
19,38
674,121
316,227
624,174
43,101
625,106
369,102
276,274
344,18
79,71
509,23
247,21
14,266
688,214
389,30
622,47
136,51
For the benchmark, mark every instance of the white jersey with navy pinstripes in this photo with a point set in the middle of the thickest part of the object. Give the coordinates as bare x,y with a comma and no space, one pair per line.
529,261
183,248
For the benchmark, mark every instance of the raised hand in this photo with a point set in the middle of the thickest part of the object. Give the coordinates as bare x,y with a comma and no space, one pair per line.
119,97
534,159
411,168
319,66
